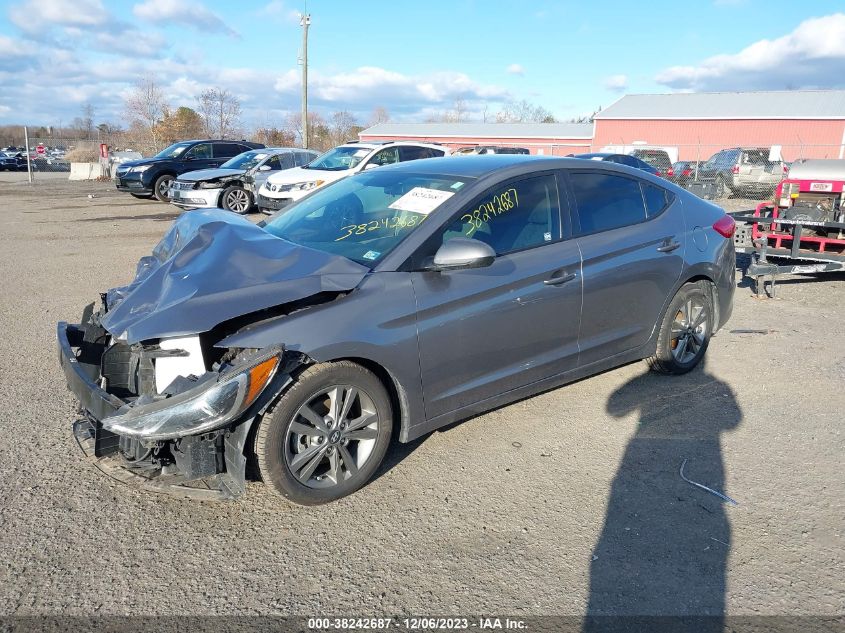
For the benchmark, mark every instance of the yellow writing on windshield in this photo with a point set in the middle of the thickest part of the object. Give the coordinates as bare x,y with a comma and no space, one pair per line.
396,222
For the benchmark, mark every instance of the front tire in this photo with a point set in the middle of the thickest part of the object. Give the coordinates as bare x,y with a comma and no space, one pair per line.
142,196
236,199
685,330
326,436
161,188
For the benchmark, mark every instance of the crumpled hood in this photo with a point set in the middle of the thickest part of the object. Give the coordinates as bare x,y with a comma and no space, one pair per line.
212,266
210,174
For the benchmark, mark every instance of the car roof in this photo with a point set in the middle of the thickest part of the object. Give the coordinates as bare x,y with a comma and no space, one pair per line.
596,155
383,144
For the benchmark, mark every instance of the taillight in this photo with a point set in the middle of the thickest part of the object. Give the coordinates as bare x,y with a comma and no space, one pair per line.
735,169
686,173
786,169
671,172
657,173
725,226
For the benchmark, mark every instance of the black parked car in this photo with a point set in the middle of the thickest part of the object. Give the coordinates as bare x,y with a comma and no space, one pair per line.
684,172
12,162
619,159
657,158
153,176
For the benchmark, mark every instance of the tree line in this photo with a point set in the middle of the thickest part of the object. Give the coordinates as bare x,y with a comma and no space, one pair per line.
150,122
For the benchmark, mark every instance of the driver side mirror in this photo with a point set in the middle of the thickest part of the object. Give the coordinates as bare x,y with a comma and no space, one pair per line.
463,252
264,168
370,166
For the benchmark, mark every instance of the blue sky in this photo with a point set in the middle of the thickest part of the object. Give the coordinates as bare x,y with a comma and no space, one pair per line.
413,58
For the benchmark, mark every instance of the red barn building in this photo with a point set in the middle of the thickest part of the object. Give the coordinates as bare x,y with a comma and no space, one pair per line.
691,126
550,139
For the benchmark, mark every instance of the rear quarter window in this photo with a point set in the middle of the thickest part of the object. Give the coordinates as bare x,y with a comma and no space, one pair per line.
656,199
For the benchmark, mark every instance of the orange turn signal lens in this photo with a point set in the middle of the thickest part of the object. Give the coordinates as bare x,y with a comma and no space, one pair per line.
258,378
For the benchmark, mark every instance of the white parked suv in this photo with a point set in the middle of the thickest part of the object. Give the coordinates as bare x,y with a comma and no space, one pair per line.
283,188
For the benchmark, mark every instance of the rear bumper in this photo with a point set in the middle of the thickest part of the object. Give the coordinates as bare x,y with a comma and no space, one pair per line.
209,467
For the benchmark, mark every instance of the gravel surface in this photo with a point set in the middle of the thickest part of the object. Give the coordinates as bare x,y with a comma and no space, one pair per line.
559,503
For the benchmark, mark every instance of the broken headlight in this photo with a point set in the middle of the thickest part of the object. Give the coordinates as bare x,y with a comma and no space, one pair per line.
204,408
208,185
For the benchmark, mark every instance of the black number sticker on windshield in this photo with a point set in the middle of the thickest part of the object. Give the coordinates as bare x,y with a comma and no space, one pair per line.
486,211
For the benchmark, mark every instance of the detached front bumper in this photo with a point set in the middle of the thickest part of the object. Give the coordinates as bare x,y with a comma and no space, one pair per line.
269,205
210,466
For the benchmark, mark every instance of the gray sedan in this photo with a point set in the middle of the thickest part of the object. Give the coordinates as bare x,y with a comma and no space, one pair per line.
388,304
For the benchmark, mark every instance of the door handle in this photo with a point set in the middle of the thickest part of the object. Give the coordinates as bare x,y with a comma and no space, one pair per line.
557,281
668,246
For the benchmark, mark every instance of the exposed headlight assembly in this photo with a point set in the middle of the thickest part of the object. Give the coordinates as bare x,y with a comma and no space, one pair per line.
208,406
208,185
139,168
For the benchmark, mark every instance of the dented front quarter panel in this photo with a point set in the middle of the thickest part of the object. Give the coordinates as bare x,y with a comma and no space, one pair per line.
213,266
376,323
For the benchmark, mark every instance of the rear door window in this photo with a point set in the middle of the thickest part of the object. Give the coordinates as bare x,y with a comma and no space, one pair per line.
386,156
606,201
226,150
409,152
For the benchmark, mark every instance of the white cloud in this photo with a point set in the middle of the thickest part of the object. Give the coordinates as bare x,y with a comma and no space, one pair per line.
185,12
34,16
811,56
278,10
616,83
515,69
369,86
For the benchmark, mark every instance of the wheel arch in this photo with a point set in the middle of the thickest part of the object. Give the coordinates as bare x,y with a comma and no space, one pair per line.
714,293
398,396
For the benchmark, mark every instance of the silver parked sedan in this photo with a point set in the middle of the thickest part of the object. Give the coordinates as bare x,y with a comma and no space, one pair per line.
233,185
388,304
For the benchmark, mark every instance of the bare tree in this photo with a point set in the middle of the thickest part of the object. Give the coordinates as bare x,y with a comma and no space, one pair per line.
221,112
145,107
379,115
524,112
342,127
318,130
458,114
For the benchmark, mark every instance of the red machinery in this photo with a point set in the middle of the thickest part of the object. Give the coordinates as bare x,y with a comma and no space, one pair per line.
803,229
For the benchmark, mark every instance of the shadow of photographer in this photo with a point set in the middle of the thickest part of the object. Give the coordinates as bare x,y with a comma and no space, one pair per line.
664,546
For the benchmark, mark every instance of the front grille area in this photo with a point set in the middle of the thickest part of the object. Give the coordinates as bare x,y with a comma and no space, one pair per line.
182,186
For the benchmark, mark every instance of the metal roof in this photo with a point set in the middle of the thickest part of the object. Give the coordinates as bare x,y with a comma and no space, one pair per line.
781,104
818,170
483,130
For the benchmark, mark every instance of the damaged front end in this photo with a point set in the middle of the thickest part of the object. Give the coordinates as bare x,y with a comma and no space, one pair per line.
187,439
163,405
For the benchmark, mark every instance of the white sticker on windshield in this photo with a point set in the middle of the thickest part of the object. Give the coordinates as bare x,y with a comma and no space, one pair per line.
361,152
421,200
371,255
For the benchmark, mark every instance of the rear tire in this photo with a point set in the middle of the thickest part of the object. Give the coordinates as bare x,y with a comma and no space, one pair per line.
685,330
161,188
722,189
326,436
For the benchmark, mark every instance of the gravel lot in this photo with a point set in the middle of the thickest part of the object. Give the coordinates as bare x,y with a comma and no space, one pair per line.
567,501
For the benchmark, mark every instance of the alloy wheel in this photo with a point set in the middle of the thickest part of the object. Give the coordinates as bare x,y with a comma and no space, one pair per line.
164,187
331,436
237,200
689,330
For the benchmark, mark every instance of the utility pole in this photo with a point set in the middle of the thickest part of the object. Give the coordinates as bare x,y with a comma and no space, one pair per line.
304,22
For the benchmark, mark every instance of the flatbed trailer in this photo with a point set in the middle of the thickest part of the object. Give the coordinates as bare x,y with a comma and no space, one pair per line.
767,237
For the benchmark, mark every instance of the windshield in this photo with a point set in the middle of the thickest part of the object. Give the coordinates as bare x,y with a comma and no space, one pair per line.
339,158
173,151
247,160
366,216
